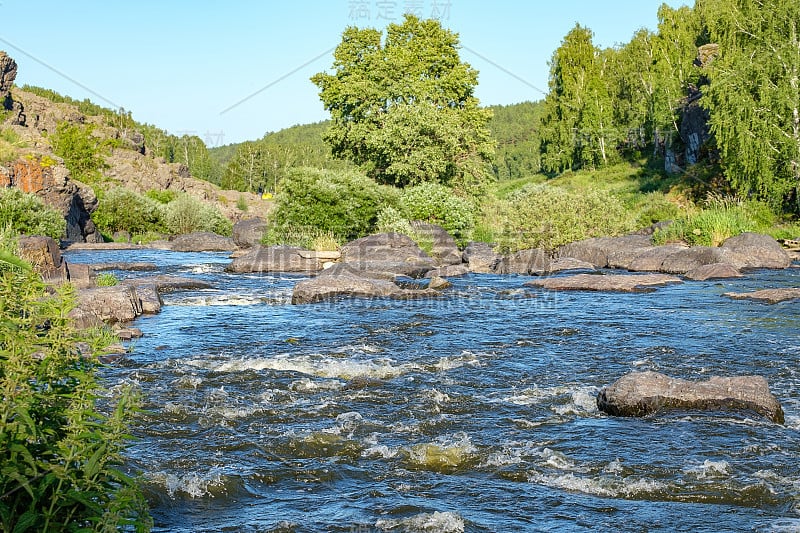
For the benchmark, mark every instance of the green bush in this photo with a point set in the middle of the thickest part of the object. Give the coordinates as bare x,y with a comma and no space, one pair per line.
106,279
26,213
709,227
655,207
437,204
186,214
542,216
391,220
344,203
59,454
80,150
161,196
304,237
121,209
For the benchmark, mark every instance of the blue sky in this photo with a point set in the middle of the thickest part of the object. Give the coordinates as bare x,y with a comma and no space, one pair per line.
195,66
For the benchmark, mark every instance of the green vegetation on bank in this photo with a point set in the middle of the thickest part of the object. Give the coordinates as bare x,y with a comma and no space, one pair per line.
24,213
62,435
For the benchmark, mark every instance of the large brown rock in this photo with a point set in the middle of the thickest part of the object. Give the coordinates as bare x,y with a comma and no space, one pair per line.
480,257
248,233
645,393
650,260
692,258
387,252
445,250
343,280
597,250
754,250
202,241
44,256
770,296
527,262
274,259
605,282
713,271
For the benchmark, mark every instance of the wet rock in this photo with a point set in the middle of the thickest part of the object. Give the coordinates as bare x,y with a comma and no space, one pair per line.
645,393
438,284
480,257
445,250
597,250
754,250
44,256
527,262
607,282
770,296
106,305
248,233
387,252
127,334
134,266
274,259
450,271
713,271
202,241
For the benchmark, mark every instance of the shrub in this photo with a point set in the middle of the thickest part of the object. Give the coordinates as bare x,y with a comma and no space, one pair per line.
26,213
542,216
655,207
437,204
106,279
9,141
161,196
186,214
343,203
121,209
302,236
241,204
80,150
391,220
59,455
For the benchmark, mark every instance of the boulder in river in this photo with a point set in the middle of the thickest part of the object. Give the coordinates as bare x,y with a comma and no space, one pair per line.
527,262
598,250
248,233
480,257
770,296
645,393
387,252
713,271
754,250
604,282
275,259
444,249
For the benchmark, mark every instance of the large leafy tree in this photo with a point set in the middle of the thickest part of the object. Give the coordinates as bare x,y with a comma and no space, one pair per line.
404,109
754,95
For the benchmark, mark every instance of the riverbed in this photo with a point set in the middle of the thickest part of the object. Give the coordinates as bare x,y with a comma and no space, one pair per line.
474,411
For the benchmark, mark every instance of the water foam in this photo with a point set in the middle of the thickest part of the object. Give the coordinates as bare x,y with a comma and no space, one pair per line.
191,484
436,522
710,469
608,487
444,453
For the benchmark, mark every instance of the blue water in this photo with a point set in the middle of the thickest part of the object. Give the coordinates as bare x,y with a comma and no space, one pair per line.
472,412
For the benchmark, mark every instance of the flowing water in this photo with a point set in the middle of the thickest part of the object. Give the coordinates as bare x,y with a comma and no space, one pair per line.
472,412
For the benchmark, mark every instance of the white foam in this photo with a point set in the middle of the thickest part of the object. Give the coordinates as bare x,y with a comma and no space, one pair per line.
218,300
319,366
191,484
436,522
610,487
710,469
465,358
583,402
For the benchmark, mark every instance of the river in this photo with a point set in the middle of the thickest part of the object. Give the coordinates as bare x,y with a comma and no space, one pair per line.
472,412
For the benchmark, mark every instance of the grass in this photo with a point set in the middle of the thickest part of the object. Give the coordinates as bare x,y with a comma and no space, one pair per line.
106,279
305,237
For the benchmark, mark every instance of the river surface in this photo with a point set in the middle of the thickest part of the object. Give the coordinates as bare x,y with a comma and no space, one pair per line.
472,412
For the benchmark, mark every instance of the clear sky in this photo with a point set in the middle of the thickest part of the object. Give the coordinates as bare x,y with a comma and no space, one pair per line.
232,71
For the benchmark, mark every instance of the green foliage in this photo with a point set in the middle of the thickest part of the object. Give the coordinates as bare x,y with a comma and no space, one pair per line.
26,213
437,204
515,128
121,209
542,216
191,151
60,456
344,203
161,196
308,238
106,279
754,95
722,217
404,110
655,207
241,204
187,214
80,150
392,220
9,142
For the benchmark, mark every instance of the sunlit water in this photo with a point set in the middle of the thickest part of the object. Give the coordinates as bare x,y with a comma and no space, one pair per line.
472,412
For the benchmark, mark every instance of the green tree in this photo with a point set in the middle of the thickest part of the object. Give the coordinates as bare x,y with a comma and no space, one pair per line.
577,128
80,149
754,95
404,110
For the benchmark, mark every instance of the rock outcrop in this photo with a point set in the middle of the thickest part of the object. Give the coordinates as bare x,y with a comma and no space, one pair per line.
202,241
646,393
607,282
44,255
526,262
444,248
8,73
754,250
480,257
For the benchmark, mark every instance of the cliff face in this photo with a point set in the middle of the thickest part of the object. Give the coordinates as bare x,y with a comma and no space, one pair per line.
38,170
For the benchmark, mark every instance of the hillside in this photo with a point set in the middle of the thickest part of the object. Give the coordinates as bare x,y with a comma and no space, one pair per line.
105,149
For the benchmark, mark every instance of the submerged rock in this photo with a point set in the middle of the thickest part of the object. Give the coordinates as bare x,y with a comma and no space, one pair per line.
645,393
713,271
604,282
